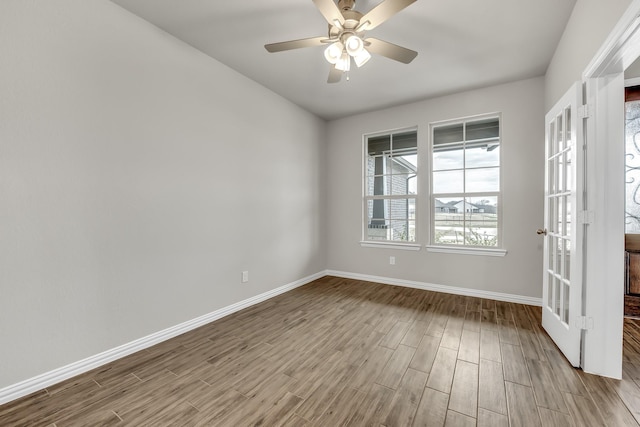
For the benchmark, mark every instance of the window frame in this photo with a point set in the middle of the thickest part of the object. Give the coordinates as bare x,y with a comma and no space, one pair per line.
391,244
432,246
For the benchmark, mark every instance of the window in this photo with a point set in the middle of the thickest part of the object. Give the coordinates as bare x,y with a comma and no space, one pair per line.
465,196
391,171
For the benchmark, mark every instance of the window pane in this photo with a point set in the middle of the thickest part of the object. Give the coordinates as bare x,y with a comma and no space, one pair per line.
378,145
376,165
483,129
446,159
402,208
484,206
391,170
377,232
378,185
400,184
376,213
403,231
482,155
483,180
481,233
403,163
405,140
449,221
481,221
447,134
448,182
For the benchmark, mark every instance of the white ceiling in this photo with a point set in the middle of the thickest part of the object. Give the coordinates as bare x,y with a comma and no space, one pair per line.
461,44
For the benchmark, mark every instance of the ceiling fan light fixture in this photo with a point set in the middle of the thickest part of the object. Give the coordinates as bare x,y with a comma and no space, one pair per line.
344,64
354,45
334,52
362,58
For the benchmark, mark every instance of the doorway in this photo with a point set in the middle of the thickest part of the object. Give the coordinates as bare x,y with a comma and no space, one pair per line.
603,300
632,191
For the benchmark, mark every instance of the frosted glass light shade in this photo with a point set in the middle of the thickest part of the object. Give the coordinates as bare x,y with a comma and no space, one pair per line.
362,58
344,64
354,45
333,53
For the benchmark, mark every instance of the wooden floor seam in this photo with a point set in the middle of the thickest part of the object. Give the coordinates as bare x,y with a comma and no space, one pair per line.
343,352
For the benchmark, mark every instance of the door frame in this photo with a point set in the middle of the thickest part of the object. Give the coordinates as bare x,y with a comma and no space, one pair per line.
603,297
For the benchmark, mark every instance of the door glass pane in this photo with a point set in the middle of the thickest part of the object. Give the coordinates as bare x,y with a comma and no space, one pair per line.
559,256
553,247
556,300
560,215
561,170
559,135
567,259
553,176
568,170
551,202
550,290
567,127
568,218
551,138
565,312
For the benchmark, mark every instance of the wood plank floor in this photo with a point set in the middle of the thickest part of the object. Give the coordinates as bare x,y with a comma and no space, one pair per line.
345,352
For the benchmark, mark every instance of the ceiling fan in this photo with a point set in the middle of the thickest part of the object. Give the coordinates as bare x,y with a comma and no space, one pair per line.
346,39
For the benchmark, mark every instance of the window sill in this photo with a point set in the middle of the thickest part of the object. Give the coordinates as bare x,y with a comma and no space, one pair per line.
391,245
467,251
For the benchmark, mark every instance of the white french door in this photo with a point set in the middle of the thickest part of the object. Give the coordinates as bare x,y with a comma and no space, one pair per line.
563,235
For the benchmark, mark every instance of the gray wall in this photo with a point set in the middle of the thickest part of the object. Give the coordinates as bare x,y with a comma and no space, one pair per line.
520,271
589,26
138,178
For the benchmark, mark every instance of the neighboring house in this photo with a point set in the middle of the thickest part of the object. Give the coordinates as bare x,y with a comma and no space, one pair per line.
393,218
458,206
449,207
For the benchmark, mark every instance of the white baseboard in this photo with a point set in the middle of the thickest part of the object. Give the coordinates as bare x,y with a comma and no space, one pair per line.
47,379
519,299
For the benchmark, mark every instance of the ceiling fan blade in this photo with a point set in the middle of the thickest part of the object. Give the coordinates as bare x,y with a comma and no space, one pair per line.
384,11
334,75
329,9
390,50
295,44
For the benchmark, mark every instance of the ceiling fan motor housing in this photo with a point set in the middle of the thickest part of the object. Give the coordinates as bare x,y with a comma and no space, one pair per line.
351,22
346,4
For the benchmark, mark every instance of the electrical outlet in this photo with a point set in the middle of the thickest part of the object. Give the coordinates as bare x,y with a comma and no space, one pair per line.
392,260
245,276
